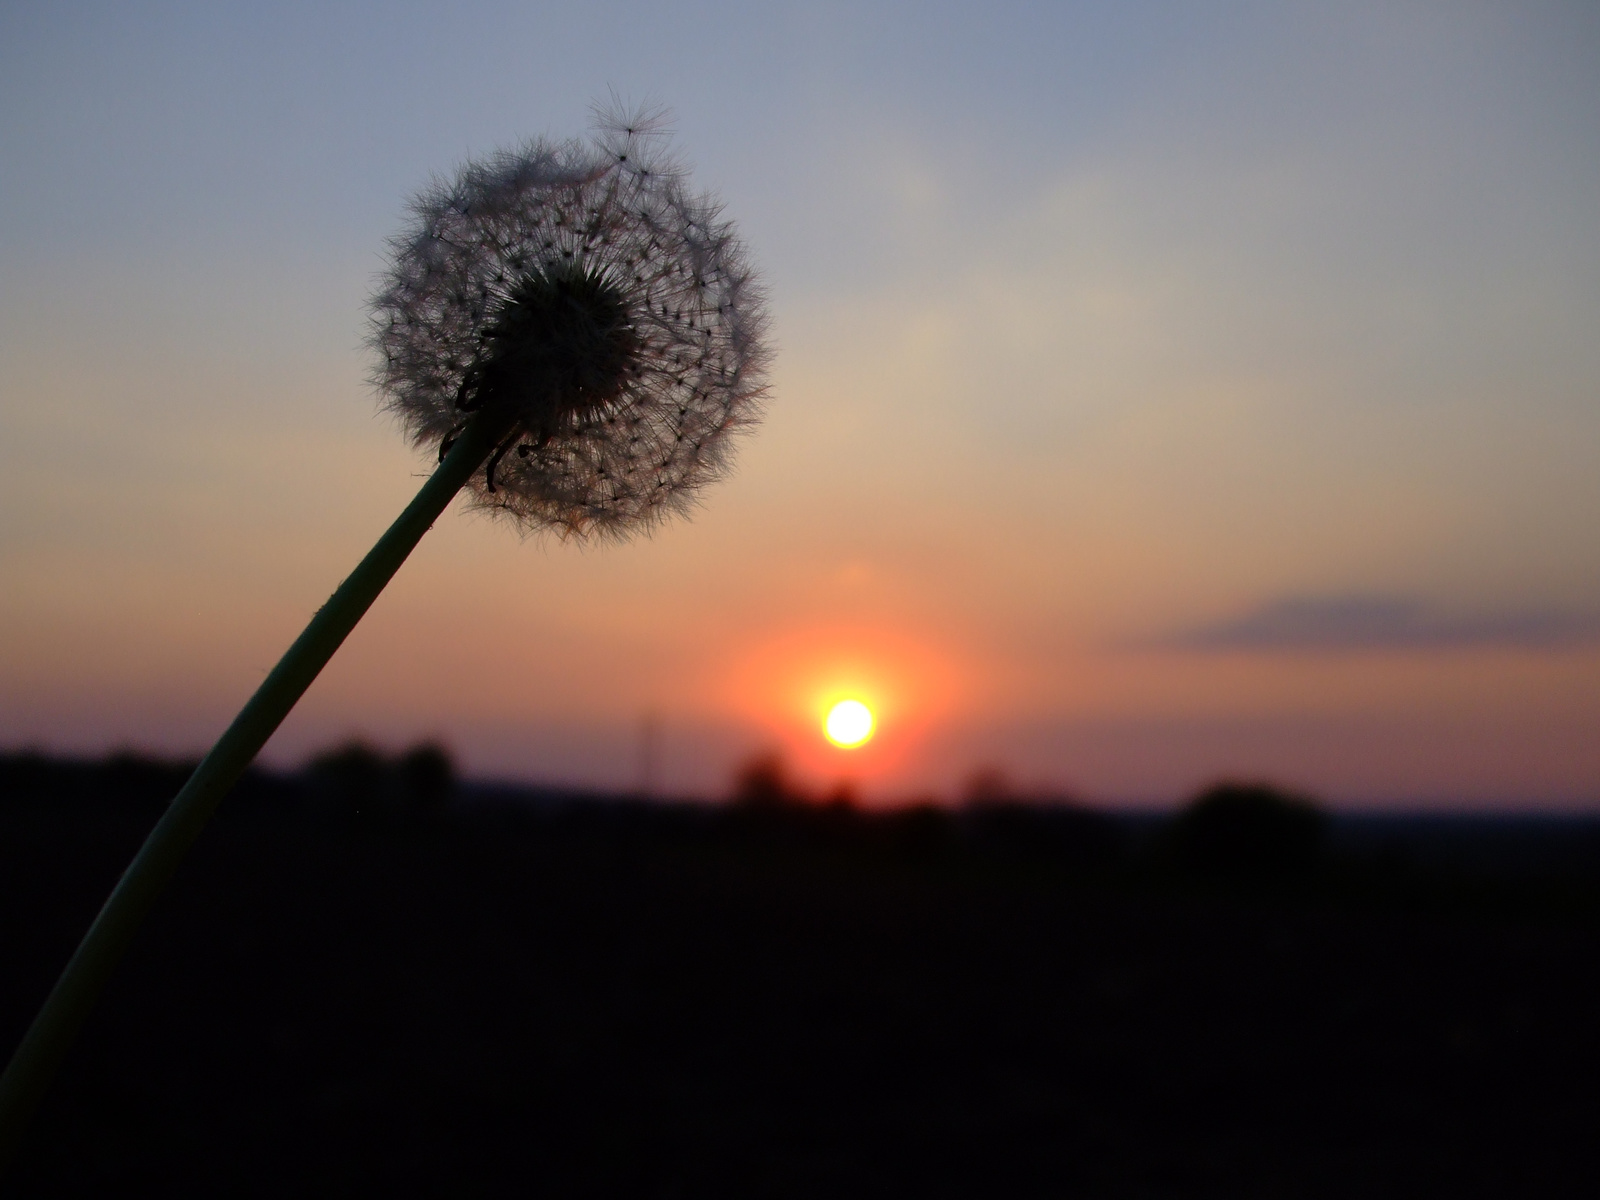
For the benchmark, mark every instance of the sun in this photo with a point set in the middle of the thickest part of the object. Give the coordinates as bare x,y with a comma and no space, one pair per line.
849,724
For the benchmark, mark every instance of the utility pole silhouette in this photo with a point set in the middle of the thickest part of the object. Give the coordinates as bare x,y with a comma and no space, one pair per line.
649,754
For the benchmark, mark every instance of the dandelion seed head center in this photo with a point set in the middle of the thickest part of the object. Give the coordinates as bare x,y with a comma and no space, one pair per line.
562,346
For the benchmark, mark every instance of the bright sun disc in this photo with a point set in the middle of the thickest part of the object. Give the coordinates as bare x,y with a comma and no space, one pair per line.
849,723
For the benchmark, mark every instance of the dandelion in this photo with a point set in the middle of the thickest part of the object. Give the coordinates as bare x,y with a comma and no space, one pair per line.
603,317
578,336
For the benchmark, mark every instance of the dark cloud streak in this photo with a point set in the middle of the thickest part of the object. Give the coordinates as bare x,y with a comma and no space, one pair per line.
1372,623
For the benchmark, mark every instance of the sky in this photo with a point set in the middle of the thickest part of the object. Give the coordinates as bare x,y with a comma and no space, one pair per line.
1163,393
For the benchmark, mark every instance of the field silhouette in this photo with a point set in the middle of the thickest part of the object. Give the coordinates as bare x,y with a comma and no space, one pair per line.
371,977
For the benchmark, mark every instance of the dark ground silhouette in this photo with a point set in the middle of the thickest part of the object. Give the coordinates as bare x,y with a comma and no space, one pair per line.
366,981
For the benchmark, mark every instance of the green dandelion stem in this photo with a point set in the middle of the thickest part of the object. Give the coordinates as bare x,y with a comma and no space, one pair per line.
35,1062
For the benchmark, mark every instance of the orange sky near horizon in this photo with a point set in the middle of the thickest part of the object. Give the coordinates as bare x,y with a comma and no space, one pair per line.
787,686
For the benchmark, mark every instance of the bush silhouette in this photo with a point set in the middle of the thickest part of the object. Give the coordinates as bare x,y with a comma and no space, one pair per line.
763,782
359,781
354,776
1247,832
427,776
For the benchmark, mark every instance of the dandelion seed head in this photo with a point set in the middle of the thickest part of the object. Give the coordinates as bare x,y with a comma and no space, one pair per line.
586,295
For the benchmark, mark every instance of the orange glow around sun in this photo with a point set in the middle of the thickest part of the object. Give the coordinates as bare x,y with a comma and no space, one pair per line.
806,688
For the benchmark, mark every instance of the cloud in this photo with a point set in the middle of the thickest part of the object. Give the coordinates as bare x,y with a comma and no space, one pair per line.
1356,623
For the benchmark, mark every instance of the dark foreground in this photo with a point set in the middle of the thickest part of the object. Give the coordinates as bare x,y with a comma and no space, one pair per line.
351,991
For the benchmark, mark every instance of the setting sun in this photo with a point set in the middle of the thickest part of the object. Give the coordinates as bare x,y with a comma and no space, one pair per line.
849,723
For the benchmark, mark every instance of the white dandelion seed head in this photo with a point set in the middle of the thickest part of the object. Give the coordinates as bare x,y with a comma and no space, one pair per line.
604,310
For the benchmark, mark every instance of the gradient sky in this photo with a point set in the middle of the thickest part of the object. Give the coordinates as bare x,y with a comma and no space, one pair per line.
1164,392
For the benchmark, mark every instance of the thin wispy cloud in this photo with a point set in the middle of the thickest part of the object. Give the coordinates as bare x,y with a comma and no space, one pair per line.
1374,623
